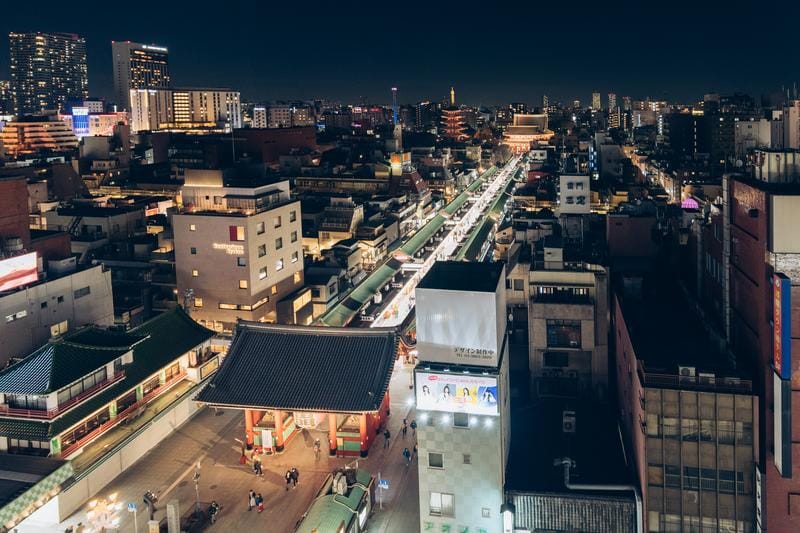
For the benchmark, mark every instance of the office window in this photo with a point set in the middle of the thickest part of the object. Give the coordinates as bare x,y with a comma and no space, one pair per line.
279,265
442,504
276,222
435,460
262,272
563,334
229,307
294,236
198,302
60,299
80,293
59,329
461,420
241,261
242,283
485,512
292,216
193,250
192,227
260,228
236,233
278,243
297,277
466,459
262,250
519,284
274,289
195,273
295,257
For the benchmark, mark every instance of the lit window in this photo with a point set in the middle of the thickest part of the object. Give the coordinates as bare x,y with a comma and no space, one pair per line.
262,272
274,289
297,277
279,265
236,233
260,228
295,257
192,227
195,273
242,283
442,504
198,302
276,222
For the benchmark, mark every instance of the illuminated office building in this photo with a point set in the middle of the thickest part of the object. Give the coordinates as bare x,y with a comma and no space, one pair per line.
192,110
47,69
32,136
462,396
138,66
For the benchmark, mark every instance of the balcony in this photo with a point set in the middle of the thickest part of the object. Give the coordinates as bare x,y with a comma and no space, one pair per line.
50,413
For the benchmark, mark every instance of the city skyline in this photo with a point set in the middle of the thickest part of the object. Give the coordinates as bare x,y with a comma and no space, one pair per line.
348,64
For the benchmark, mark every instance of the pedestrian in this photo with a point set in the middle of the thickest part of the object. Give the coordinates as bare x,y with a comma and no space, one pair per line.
251,500
414,453
316,449
414,427
405,428
257,467
288,479
407,456
295,476
260,502
386,436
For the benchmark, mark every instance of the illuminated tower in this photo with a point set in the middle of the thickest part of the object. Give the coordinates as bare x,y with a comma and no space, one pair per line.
452,124
138,66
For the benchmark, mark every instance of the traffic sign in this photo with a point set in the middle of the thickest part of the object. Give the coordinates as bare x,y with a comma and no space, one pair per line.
383,483
131,507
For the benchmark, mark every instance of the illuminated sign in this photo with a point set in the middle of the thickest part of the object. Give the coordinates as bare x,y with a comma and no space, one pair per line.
457,393
17,271
782,322
80,121
782,425
230,249
154,48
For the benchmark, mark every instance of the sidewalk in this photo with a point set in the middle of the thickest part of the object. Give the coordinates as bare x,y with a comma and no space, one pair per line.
209,437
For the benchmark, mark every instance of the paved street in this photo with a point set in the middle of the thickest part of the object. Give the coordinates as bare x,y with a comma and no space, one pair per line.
209,438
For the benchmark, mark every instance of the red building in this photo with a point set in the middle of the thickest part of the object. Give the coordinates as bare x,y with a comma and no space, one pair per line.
14,210
286,378
269,144
453,124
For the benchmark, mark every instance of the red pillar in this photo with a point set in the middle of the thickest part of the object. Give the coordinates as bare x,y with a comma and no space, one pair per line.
366,437
332,433
248,428
278,430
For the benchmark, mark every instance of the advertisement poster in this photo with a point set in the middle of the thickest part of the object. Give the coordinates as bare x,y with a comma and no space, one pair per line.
457,393
16,271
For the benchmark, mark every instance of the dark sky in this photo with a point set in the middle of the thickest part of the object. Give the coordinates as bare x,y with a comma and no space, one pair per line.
493,52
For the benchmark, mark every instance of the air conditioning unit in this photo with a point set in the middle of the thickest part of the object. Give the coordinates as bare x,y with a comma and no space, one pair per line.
707,378
687,371
568,421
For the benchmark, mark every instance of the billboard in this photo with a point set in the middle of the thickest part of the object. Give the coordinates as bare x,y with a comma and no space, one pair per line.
782,424
460,327
574,194
782,325
80,121
17,271
457,393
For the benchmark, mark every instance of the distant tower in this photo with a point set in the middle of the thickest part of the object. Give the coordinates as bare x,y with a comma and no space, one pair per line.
452,97
394,105
398,129
545,103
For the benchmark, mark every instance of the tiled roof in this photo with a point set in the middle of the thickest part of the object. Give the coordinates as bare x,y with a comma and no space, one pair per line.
304,367
164,339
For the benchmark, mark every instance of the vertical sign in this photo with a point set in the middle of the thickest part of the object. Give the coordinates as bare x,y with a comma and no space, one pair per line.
782,321
782,424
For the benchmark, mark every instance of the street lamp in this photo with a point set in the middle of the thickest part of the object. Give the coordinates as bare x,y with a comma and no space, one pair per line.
508,510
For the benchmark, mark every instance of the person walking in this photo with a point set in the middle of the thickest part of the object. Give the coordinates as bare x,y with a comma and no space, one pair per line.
414,427
316,449
386,436
260,502
414,453
405,428
288,479
251,500
407,456
257,467
295,476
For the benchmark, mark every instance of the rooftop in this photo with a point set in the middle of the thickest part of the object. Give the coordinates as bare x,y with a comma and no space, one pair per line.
462,276
304,368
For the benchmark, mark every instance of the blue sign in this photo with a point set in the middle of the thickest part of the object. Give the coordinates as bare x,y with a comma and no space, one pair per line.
131,507
782,325
383,483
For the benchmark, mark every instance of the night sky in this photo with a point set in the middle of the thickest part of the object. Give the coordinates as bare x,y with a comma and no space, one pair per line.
493,52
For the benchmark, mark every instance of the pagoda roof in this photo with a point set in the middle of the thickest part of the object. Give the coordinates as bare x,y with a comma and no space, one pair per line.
307,368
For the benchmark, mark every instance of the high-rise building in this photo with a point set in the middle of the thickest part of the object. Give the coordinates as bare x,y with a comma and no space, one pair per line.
595,101
260,117
239,249
626,103
612,101
545,103
32,136
138,66
47,69
6,99
185,109
462,396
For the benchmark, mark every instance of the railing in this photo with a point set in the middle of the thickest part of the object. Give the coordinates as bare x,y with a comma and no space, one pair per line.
716,383
50,413
121,416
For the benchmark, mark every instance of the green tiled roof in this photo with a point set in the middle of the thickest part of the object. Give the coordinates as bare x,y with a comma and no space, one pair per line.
329,511
165,338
